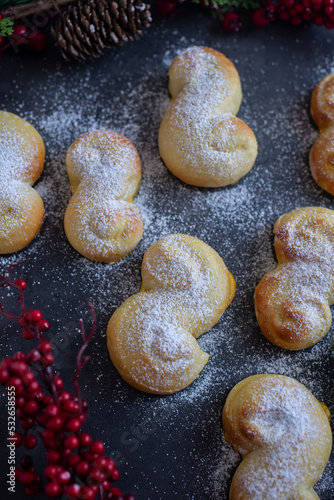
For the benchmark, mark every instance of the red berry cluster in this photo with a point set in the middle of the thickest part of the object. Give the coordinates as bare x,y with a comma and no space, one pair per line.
320,12
34,38
76,466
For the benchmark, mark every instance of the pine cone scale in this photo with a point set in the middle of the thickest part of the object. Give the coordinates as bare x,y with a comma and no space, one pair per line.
85,29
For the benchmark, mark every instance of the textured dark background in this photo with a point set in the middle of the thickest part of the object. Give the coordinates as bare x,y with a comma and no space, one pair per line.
170,447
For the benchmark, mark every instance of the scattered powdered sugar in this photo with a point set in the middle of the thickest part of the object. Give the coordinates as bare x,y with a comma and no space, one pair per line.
181,434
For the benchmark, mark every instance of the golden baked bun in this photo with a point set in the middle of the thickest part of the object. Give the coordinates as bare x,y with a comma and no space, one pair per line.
21,163
104,172
283,434
151,337
292,301
321,156
200,140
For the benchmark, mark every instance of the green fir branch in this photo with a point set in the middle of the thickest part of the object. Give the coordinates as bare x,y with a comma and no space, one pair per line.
227,5
6,27
5,4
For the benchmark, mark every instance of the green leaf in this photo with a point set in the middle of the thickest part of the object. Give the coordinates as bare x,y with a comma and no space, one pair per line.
6,27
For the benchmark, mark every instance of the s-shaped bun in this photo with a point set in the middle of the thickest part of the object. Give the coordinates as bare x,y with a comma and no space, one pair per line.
21,163
201,140
151,338
322,152
104,172
292,302
283,435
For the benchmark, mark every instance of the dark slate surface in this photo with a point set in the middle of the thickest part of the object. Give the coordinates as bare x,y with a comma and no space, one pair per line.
170,447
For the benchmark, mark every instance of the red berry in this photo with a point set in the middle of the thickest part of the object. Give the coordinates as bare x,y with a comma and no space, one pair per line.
105,485
259,17
22,322
44,347
51,471
82,468
30,441
34,316
15,382
71,406
21,283
37,41
110,466
85,439
129,497
28,377
47,359
114,475
81,418
4,375
165,7
20,356
63,477
71,442
33,386
34,356
26,478
31,408
51,410
59,383
96,476
55,423
72,491
97,447
319,21
52,489
73,460
53,456
64,396
27,423
27,334
43,325
232,23
18,367
18,439
73,425
87,493
31,492
26,462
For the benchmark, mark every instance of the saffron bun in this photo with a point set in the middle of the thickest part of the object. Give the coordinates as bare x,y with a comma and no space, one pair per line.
201,140
104,172
321,157
283,434
151,337
292,302
21,164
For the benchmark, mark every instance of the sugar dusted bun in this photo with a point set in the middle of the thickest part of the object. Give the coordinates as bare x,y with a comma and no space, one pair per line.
21,163
104,172
151,337
283,435
292,301
322,153
200,140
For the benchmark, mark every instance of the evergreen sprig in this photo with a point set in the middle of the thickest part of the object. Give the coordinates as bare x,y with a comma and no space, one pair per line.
227,5
6,27
5,4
